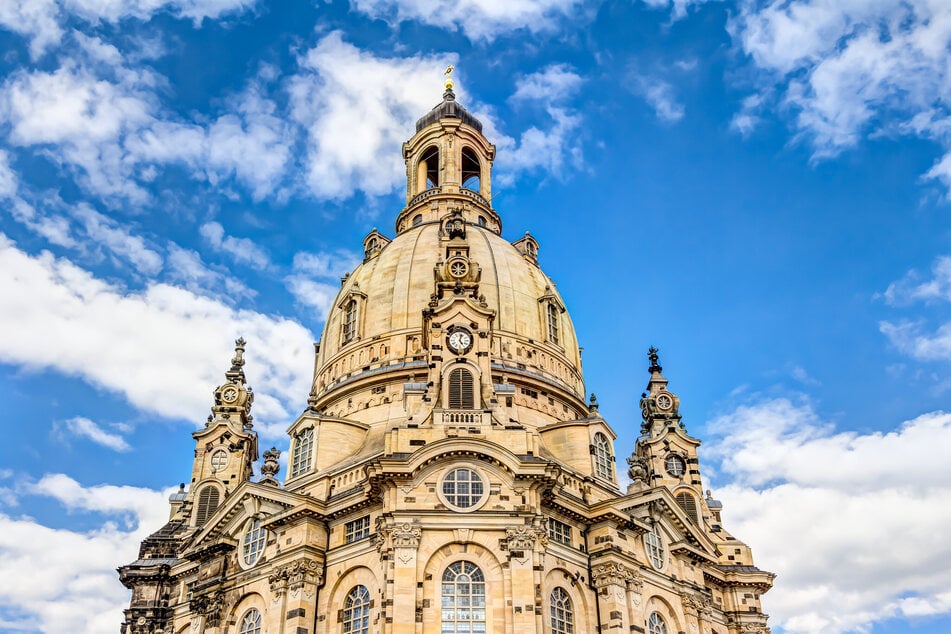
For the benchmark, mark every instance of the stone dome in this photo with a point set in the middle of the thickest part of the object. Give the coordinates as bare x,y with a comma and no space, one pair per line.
387,352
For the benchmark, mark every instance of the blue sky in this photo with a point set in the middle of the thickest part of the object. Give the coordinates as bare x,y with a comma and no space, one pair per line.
760,189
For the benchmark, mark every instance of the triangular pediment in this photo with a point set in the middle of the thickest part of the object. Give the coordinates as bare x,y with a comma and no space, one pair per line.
660,507
251,499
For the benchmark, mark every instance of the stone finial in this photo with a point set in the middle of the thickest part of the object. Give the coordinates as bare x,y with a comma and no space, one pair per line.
271,466
593,403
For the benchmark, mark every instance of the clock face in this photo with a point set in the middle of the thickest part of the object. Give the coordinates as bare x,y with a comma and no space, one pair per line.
229,395
676,466
664,401
460,341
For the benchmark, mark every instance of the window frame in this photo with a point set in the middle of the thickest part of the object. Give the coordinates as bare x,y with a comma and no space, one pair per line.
473,602
656,624
560,532
253,544
452,498
554,323
355,615
561,611
302,459
655,549
356,529
603,460
205,508
251,622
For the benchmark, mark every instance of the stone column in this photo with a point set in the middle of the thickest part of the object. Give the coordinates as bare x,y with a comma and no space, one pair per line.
635,599
610,581
404,542
295,584
525,546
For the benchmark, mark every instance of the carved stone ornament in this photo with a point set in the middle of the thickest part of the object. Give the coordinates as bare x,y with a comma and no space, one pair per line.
637,469
294,576
210,606
611,574
403,535
524,538
755,628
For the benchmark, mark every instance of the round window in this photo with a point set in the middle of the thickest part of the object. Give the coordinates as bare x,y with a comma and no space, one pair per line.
463,489
676,466
219,460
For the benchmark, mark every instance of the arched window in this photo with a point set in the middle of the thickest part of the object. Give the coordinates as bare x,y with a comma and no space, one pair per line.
463,599
349,328
471,170
562,619
427,171
552,322
461,392
356,611
655,624
208,499
253,544
689,505
303,452
603,464
251,623
417,220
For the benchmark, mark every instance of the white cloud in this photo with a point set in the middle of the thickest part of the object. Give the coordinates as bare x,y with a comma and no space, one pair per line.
867,513
241,249
118,240
554,83
72,586
315,280
35,19
186,267
83,117
103,120
912,338
849,69
546,150
85,428
145,345
912,288
678,8
659,95
41,20
357,110
477,19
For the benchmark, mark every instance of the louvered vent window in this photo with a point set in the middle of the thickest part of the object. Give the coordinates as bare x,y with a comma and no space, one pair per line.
689,505
207,503
461,394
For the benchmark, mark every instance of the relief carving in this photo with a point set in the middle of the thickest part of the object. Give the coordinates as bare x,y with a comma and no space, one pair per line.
611,574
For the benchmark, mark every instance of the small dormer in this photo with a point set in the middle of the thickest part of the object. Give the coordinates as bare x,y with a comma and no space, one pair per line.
528,247
373,244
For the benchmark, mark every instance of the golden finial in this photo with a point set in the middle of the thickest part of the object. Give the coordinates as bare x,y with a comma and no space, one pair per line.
448,75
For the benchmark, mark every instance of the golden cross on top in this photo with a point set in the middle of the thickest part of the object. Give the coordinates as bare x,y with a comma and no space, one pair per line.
448,75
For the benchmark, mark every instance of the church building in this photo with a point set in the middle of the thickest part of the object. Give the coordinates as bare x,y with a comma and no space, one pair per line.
448,474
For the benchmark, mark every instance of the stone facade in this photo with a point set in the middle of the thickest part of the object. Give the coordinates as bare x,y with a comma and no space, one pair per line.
448,473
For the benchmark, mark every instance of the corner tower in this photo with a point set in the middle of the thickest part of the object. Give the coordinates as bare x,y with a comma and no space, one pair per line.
448,474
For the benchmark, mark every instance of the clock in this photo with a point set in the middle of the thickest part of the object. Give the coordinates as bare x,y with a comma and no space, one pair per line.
664,401
229,394
460,340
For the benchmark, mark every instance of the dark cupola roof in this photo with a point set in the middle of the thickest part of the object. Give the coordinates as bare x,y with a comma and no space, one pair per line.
449,108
